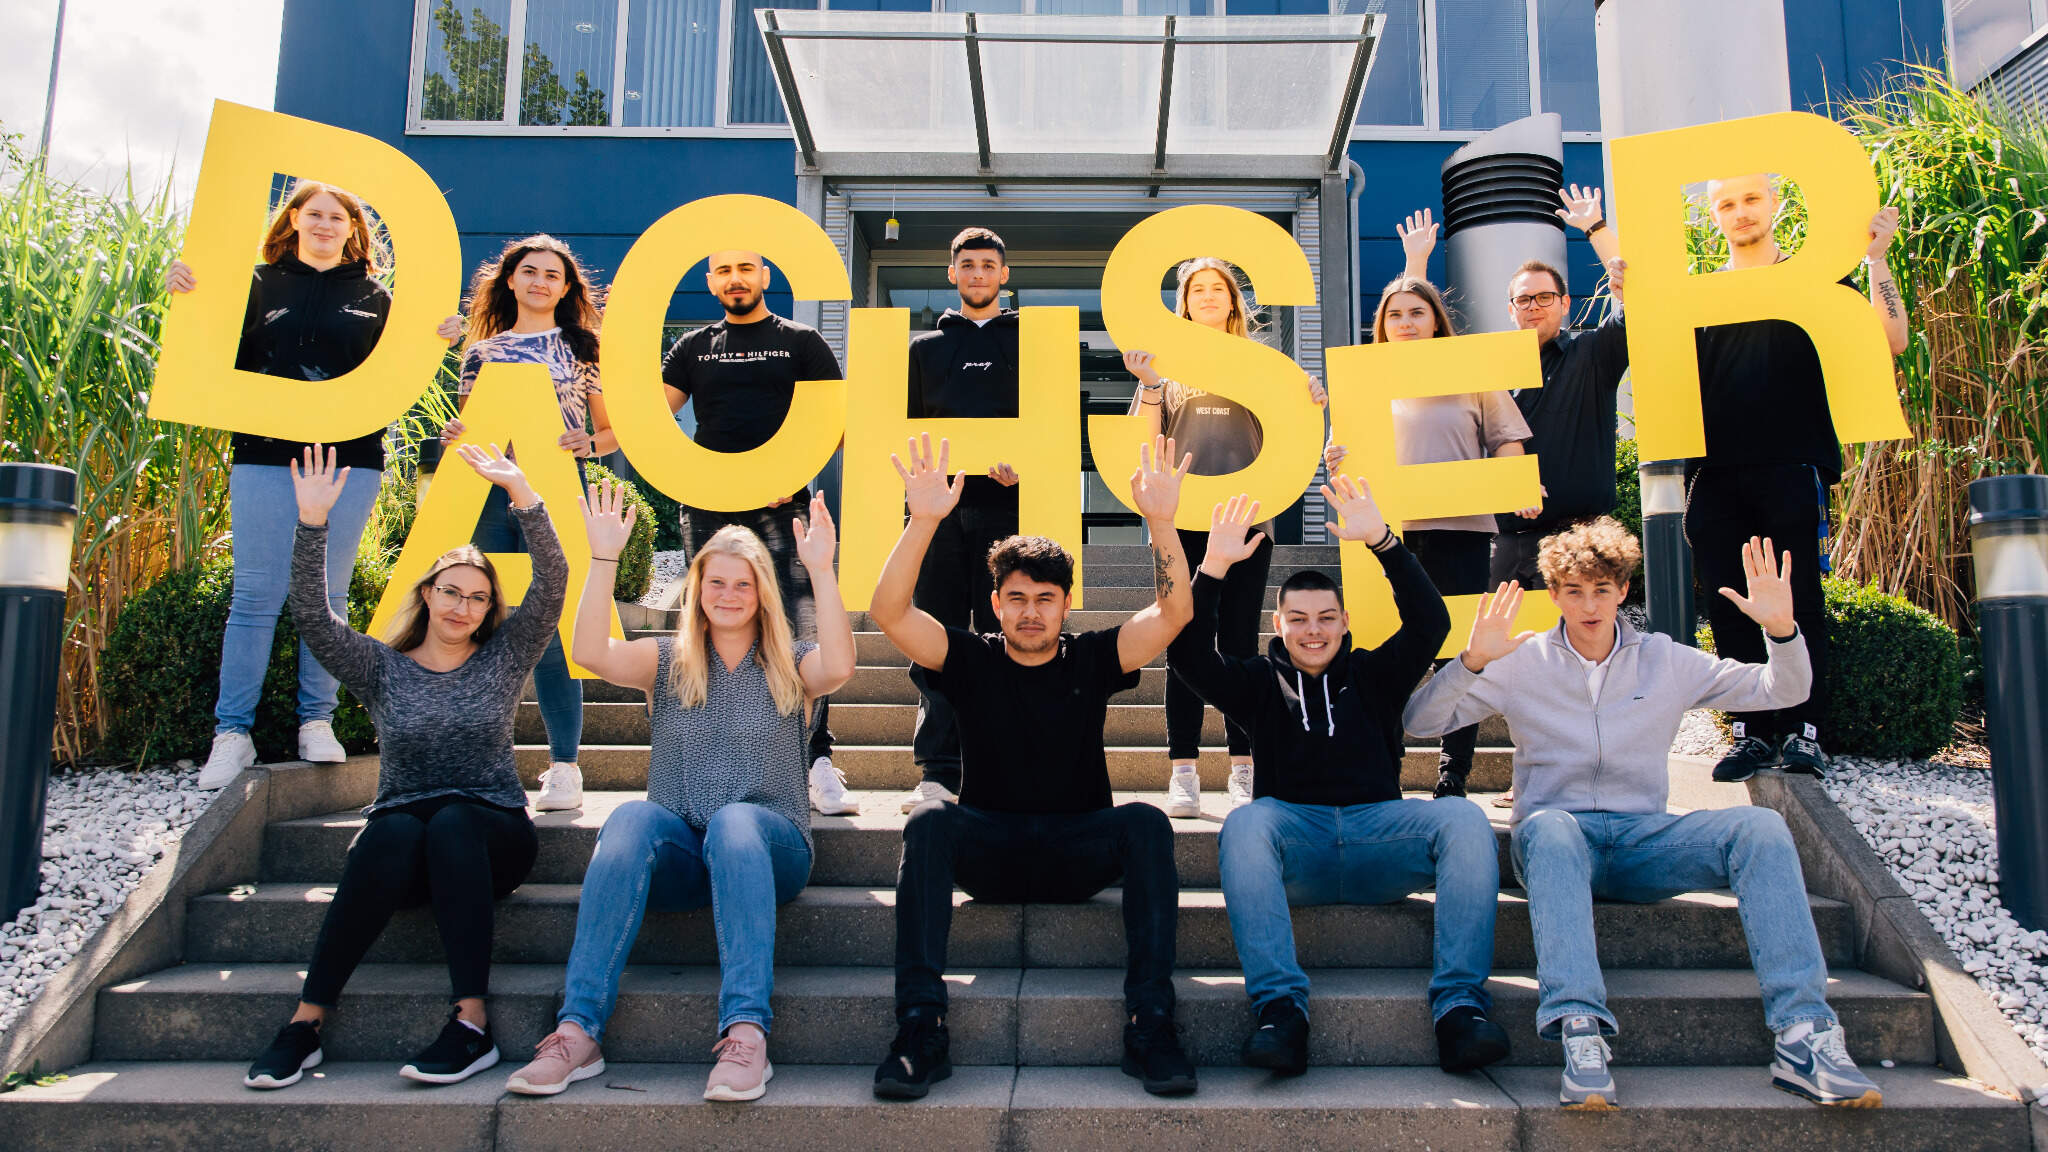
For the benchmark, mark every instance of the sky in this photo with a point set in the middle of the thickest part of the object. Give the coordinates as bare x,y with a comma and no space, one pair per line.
136,83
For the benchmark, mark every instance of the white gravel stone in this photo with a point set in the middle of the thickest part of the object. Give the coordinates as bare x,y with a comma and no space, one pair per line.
101,832
669,567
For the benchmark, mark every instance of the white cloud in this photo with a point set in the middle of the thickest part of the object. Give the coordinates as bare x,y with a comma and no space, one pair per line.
137,81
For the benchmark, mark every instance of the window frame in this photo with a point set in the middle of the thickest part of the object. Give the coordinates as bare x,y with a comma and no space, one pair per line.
723,128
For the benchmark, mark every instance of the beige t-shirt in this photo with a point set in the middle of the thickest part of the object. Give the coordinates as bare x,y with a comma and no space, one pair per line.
1467,426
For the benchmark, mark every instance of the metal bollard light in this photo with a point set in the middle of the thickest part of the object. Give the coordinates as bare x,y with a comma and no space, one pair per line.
2009,542
1667,558
38,512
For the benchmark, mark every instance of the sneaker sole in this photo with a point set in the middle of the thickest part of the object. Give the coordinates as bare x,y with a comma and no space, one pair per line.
1870,1099
905,1090
528,1088
1276,1064
1594,1103
731,1095
1721,777
843,808
265,1083
1171,1086
557,805
1479,1056
1184,811
487,1060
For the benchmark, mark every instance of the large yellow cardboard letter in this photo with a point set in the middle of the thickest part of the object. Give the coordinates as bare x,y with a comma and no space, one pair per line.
1263,379
699,477
1042,442
1665,304
511,405
1365,380
196,378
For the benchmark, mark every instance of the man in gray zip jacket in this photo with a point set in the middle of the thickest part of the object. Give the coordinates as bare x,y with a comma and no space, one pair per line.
1592,706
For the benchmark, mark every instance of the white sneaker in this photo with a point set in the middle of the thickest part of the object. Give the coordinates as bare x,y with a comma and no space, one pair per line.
232,752
317,744
828,790
927,790
1240,787
1184,794
561,788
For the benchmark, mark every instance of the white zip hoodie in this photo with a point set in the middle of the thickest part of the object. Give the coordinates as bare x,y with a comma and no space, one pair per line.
1611,754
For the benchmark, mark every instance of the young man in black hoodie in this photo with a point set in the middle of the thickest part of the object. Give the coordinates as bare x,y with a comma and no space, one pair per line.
967,366
1327,823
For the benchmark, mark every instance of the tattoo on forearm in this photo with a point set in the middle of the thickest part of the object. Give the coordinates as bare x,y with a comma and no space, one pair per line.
1894,306
1162,572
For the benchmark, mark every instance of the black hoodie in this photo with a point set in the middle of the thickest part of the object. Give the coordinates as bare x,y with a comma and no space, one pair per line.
306,324
1333,738
965,369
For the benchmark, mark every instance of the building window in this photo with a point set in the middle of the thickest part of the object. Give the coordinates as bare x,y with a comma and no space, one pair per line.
1982,33
1472,65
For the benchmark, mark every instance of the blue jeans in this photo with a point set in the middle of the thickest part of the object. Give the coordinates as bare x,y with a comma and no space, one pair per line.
1276,854
747,861
1568,859
263,515
561,695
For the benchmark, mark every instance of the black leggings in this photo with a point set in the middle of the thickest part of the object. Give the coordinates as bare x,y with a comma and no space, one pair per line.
1237,634
460,854
1456,562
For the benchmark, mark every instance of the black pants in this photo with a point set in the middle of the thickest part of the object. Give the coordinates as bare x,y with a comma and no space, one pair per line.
456,853
1456,562
1724,507
1017,858
1237,634
954,586
1514,558
772,526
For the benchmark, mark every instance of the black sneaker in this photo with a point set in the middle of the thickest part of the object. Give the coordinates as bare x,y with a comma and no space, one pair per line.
1801,754
1152,1054
918,1058
1742,760
458,1053
296,1048
1449,782
1467,1041
1280,1042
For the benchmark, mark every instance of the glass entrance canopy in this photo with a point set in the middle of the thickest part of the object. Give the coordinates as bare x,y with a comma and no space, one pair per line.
981,95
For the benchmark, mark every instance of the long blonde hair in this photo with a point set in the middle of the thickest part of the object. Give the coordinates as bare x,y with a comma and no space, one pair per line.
1238,323
408,627
774,649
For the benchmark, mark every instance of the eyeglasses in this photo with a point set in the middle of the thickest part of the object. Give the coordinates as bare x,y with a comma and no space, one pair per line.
449,597
1536,300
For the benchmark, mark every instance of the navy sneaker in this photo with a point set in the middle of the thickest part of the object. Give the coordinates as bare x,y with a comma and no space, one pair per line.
458,1053
1588,1083
1743,760
1801,753
1467,1041
1817,1066
918,1058
1152,1053
1280,1042
296,1048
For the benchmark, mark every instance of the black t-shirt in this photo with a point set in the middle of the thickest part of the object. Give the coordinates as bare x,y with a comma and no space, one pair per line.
1571,425
1763,397
1031,735
741,377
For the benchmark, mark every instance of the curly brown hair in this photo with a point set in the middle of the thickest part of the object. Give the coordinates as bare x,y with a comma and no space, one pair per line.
1596,550
1040,560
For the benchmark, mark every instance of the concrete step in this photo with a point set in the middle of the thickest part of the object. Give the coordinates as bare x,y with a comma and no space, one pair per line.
202,1105
1002,1016
278,923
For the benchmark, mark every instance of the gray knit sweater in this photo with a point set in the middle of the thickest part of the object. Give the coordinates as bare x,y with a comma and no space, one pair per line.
439,733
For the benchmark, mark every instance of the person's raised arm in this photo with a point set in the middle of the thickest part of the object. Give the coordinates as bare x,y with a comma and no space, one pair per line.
528,627
930,499
1226,682
1582,210
1149,400
1418,240
830,664
1787,674
1884,291
1400,659
346,653
1457,695
1155,492
608,522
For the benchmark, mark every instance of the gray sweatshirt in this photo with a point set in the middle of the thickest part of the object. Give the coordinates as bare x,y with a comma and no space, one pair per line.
1611,754
438,733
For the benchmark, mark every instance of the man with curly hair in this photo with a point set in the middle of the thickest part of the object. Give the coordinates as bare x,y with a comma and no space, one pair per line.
1592,706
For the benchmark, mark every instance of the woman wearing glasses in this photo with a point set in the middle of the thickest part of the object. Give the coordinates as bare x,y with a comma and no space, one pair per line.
448,826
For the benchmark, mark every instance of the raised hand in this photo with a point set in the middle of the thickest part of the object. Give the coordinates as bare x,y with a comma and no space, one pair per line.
178,277
1769,602
1581,207
1003,474
1493,630
1229,543
317,484
1418,237
608,519
817,541
1883,227
1352,501
1139,363
493,465
1155,486
925,489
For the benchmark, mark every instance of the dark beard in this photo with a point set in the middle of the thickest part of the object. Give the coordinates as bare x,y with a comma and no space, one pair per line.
993,295
742,307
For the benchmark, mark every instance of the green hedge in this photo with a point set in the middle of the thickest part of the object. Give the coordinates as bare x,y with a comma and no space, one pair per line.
160,672
1895,675
636,563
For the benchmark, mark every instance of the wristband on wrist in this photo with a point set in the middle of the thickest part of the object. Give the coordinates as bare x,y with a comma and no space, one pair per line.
606,559
1385,541
1596,226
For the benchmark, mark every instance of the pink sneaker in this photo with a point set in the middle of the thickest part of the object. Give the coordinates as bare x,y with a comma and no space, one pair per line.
567,1055
743,1071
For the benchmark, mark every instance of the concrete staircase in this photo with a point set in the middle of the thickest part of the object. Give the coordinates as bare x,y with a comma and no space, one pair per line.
1036,996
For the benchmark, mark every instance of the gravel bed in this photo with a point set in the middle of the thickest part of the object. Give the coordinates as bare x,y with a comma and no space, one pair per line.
669,567
102,831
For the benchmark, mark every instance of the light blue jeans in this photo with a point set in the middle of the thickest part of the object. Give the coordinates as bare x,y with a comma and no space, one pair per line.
747,861
561,695
1276,854
263,515
1568,859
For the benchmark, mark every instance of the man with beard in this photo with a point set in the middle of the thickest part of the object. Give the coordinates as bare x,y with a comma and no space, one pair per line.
966,367
741,374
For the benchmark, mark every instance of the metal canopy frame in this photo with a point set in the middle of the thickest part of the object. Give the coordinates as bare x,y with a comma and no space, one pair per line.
992,166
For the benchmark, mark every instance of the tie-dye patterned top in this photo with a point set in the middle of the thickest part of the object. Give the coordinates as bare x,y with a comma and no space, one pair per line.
575,380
